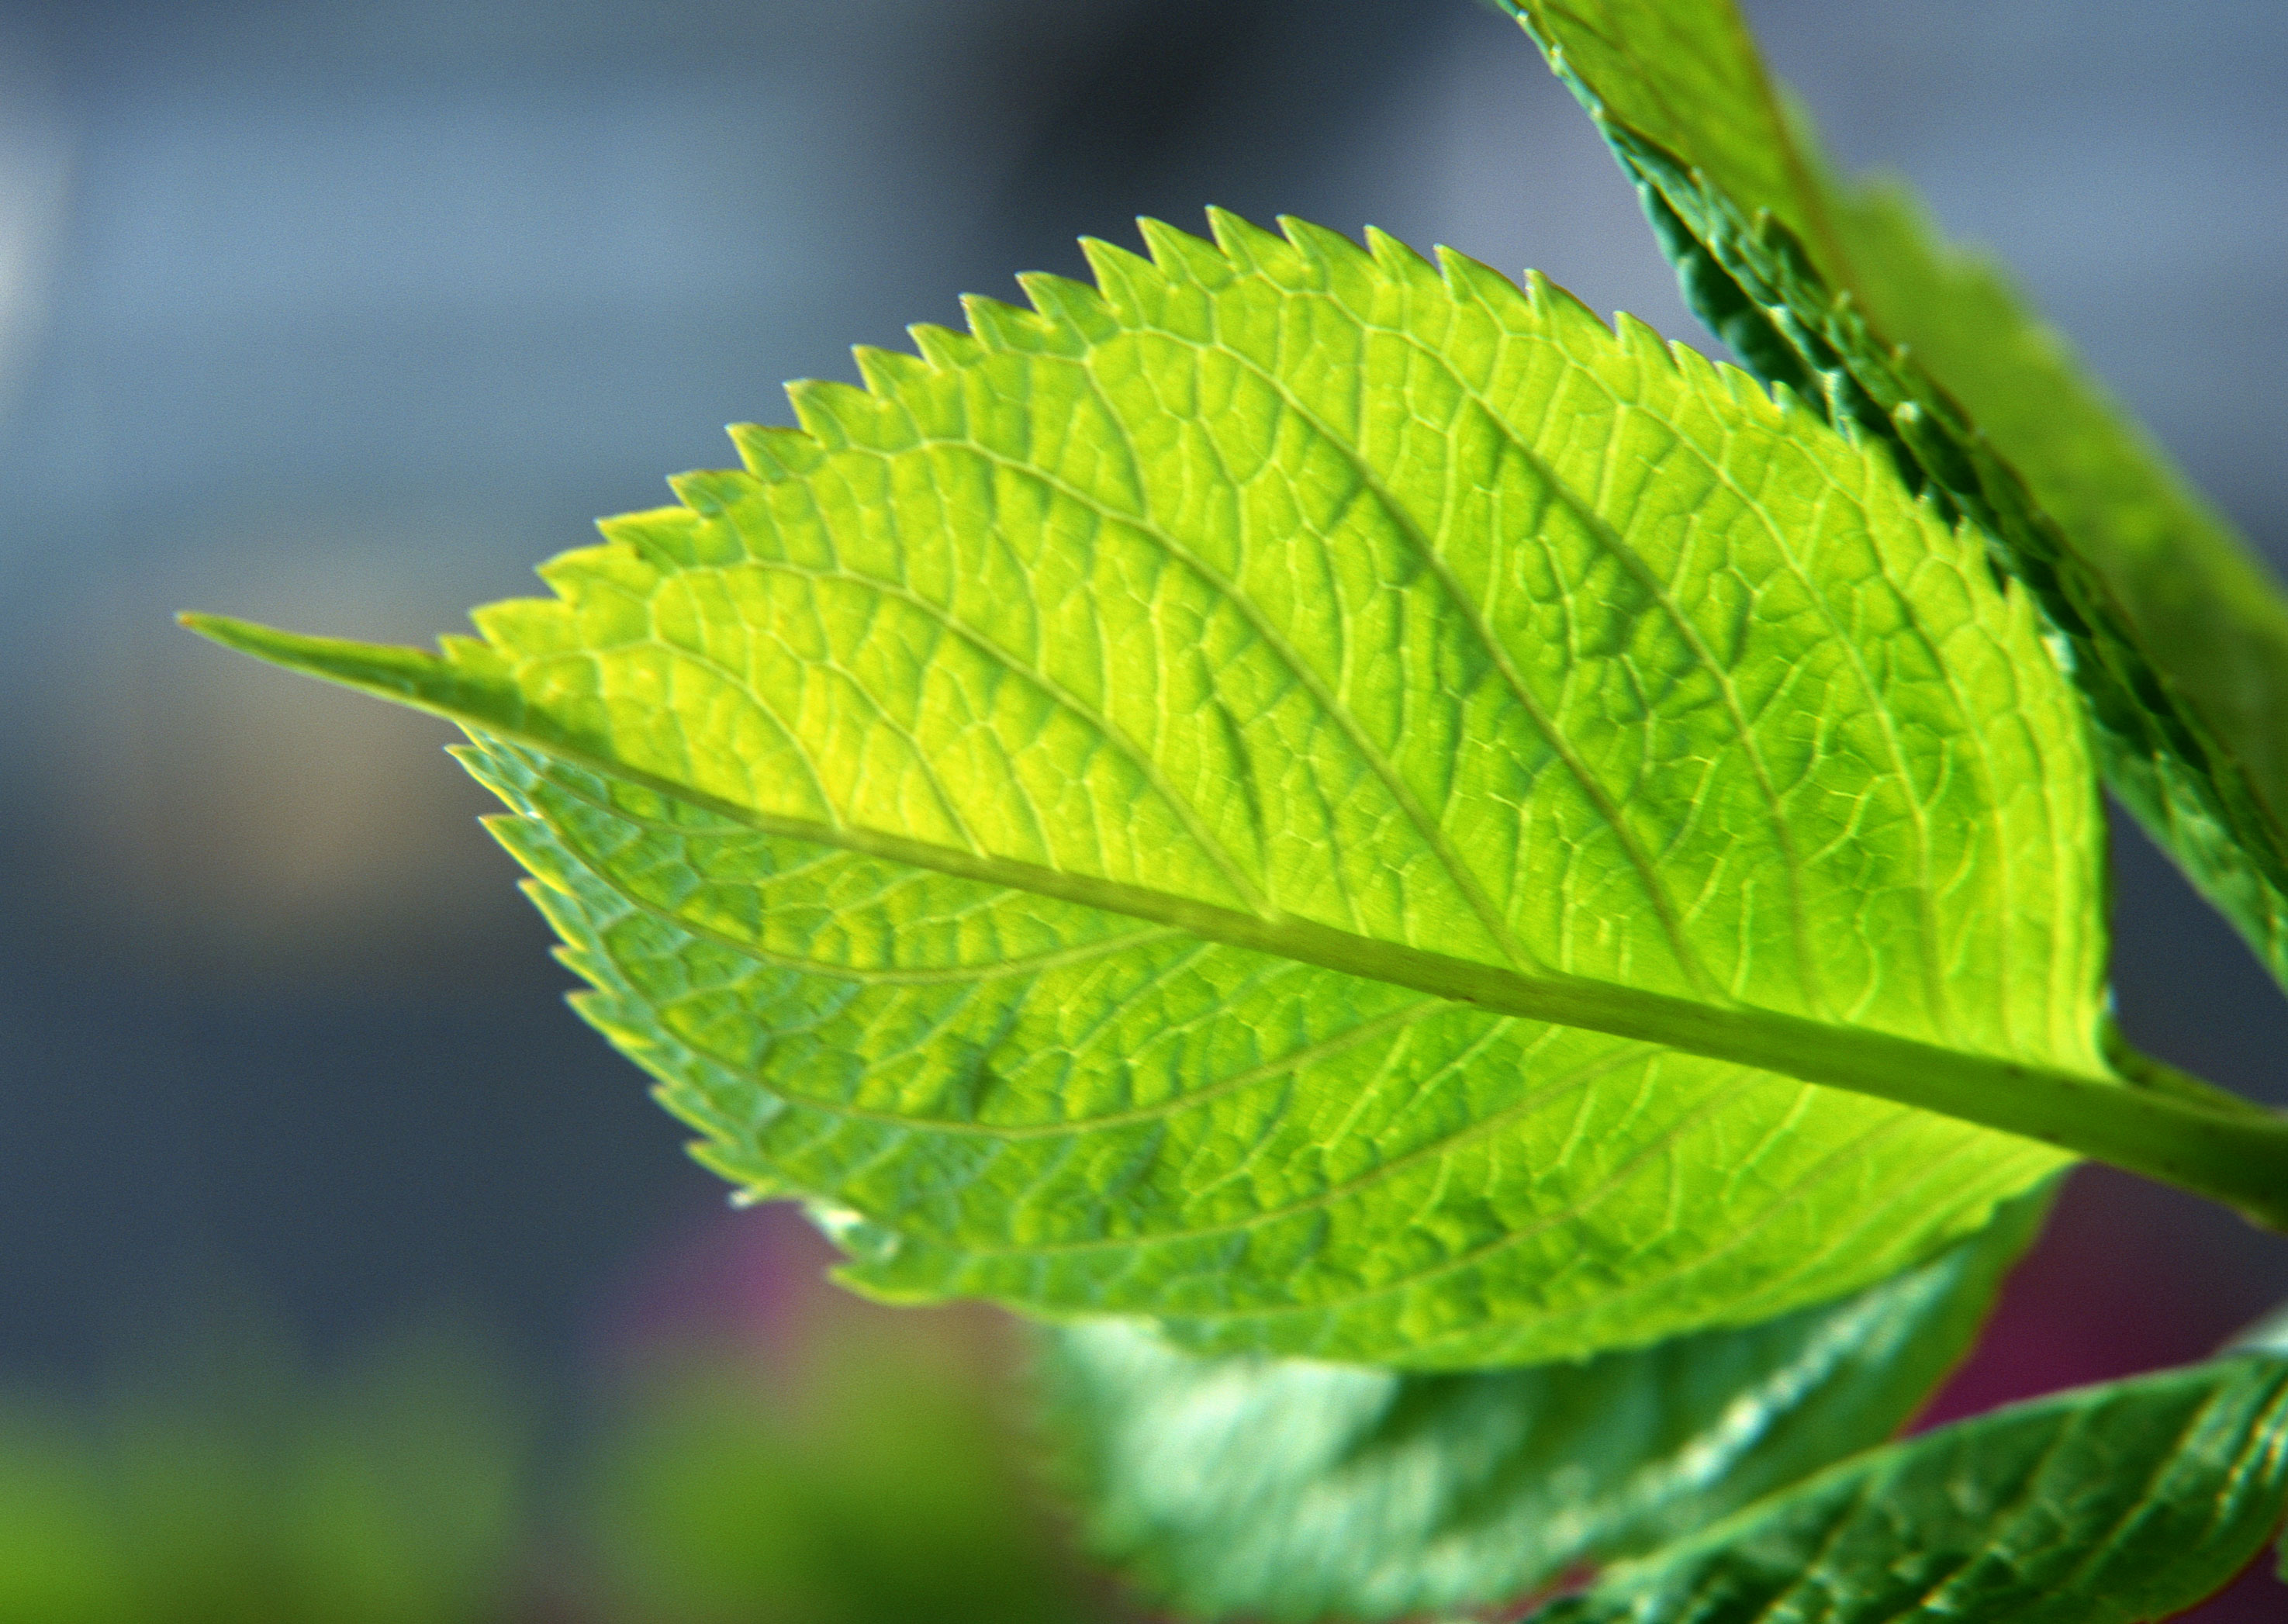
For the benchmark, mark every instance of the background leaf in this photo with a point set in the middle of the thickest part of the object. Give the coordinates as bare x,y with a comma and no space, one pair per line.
1285,1489
1101,816
2177,635
877,1486
228,1482
2212,617
2109,1505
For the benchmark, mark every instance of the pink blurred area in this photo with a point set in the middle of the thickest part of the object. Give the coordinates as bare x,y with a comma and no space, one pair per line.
2128,1277
735,1280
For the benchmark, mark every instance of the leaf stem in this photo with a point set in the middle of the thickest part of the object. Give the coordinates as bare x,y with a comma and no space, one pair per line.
2142,1071
2151,1119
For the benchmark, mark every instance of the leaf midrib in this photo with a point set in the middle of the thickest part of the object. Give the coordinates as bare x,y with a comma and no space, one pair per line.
1365,1032
1573,1001
1427,550
2236,1157
1578,1078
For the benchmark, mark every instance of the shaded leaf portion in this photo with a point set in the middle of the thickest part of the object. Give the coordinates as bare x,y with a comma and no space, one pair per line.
2109,1505
2174,631
1285,1489
2216,620
1323,799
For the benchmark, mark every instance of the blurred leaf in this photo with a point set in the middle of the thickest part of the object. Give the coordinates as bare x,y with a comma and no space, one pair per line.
1280,1489
879,1490
59,1548
2110,1505
227,1485
1324,800
405,1501
2175,633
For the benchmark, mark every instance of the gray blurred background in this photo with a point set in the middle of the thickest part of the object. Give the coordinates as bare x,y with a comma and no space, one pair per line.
343,315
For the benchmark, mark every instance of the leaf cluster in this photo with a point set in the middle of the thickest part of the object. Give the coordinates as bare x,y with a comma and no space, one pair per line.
1502,927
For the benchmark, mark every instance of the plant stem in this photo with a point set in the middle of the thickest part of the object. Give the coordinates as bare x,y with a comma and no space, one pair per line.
2143,1071
2150,1118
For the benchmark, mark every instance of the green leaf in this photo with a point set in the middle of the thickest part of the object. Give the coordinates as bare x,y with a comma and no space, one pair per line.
1285,1489
2174,632
2212,617
877,1486
2109,1505
1341,806
227,1482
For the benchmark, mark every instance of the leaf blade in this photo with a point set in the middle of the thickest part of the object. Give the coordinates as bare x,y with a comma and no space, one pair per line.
2109,1505
1314,596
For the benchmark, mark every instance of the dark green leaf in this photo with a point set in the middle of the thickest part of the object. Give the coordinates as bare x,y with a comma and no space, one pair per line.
1285,1489
2110,1505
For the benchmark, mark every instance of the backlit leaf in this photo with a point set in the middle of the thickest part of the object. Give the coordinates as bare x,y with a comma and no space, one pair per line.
1334,802
2175,633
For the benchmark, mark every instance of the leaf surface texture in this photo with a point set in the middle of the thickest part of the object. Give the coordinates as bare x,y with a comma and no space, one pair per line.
2174,632
1283,793
2111,1505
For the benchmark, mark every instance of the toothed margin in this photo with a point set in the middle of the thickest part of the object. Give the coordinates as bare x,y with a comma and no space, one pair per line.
1175,290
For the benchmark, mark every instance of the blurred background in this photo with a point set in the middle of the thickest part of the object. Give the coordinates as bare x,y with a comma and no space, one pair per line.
344,313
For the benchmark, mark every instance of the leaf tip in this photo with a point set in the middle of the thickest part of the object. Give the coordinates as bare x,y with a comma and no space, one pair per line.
1561,306
1400,261
1183,257
215,628
249,637
1245,243
771,451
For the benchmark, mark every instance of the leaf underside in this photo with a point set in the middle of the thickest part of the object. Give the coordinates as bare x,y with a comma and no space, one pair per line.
2111,1505
1285,1489
2176,636
1014,815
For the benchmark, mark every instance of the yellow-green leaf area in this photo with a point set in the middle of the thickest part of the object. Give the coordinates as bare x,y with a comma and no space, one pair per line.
1285,793
2175,631
2212,617
1686,74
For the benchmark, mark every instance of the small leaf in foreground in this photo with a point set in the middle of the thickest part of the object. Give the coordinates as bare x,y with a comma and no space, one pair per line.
2110,1505
1285,1489
1328,800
